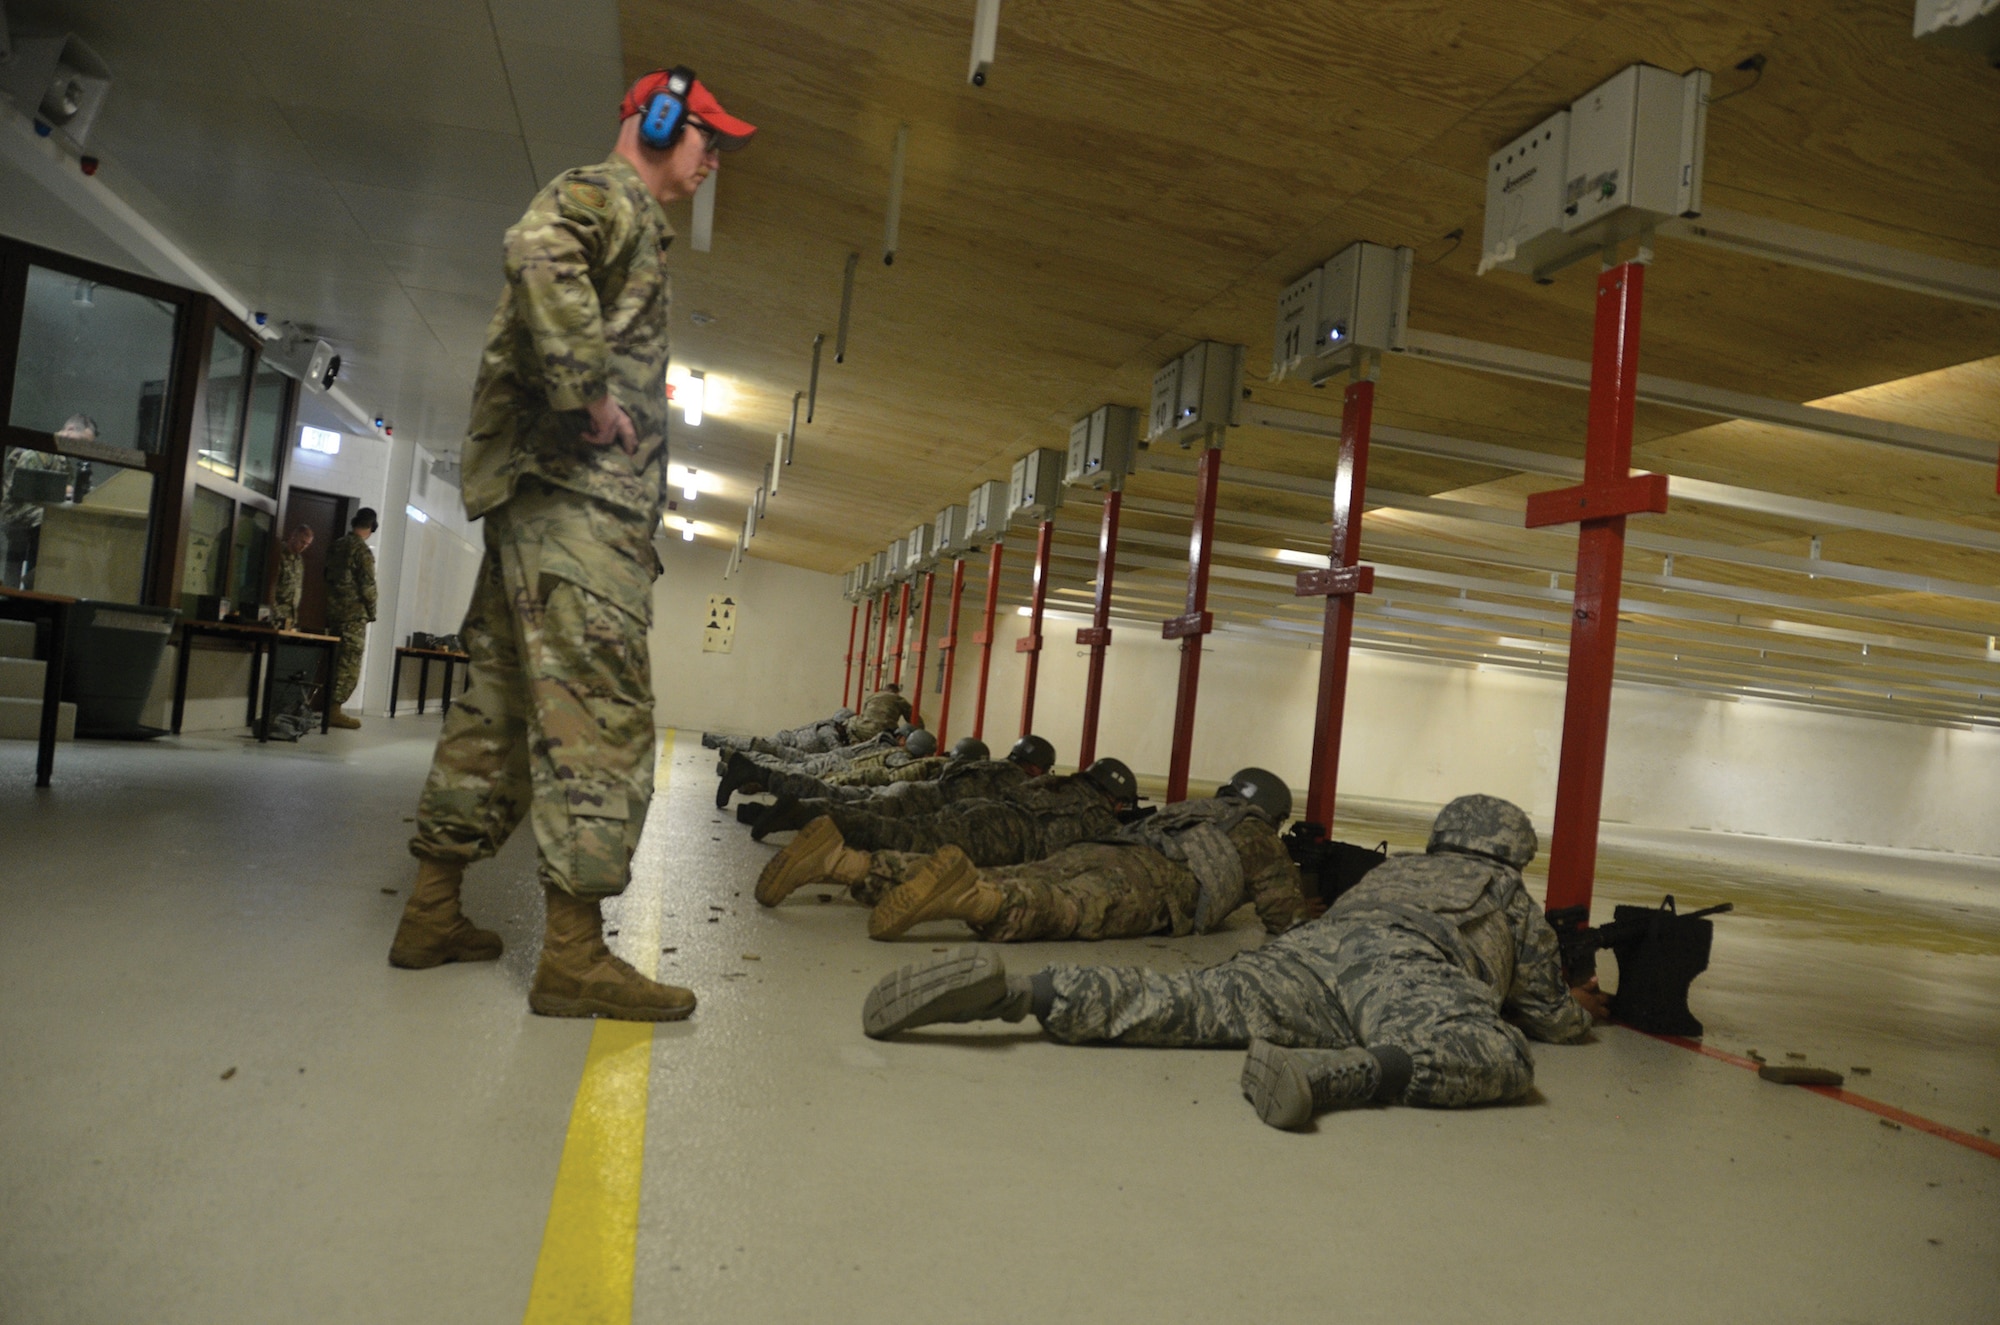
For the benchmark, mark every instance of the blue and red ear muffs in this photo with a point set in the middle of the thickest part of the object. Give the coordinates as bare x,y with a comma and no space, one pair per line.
666,113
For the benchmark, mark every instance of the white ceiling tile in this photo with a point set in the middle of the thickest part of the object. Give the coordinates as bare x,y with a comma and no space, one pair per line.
457,271
586,26
488,165
429,220
553,158
565,96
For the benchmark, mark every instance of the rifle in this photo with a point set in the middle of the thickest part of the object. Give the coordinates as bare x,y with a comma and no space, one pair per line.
1330,868
1137,814
1660,951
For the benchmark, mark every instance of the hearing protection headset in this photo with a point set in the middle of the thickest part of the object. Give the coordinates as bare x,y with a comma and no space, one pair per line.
666,113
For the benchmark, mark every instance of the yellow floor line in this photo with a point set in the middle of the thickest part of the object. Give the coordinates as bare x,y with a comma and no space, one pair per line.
584,1273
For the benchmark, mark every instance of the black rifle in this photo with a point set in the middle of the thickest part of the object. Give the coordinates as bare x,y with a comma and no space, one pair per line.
1659,951
1137,814
1330,868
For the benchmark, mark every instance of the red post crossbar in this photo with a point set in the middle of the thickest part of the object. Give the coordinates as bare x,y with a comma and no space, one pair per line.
861,672
1197,622
847,677
1098,633
902,632
1032,644
948,647
1339,583
923,646
984,639
1608,494
881,638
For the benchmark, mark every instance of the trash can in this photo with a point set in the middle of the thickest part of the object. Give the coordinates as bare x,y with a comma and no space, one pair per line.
114,654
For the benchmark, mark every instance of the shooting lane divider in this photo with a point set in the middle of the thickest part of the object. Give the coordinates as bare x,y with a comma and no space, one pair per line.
1984,1145
590,1243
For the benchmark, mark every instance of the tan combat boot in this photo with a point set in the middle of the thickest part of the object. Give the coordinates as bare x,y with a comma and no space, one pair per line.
819,854
578,976
434,931
944,886
342,718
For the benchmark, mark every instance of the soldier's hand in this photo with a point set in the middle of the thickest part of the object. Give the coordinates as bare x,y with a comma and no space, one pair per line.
1595,1001
610,424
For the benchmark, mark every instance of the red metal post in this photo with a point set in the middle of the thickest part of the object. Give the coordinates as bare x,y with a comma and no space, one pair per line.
948,647
847,677
1098,633
984,639
1032,644
1340,582
1609,493
861,672
881,638
923,645
1190,628
902,631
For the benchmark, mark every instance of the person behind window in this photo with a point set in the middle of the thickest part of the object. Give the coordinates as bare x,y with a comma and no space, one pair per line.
291,577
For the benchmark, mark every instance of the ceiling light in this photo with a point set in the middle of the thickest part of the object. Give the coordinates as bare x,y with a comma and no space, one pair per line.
691,488
687,531
1316,560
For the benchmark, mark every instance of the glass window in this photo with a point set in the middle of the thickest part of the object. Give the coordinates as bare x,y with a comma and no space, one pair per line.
267,426
246,561
76,527
218,433
207,547
94,350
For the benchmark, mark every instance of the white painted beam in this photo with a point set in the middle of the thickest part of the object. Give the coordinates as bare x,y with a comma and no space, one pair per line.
1799,246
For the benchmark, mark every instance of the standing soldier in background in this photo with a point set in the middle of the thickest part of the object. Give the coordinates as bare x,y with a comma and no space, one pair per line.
350,606
566,462
292,577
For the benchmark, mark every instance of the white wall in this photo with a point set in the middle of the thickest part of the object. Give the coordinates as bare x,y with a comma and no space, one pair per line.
440,563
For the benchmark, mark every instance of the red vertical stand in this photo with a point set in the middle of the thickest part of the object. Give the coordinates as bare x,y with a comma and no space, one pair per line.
881,638
861,672
847,677
1339,583
984,639
1098,633
923,645
1608,494
1032,644
1197,622
948,647
902,632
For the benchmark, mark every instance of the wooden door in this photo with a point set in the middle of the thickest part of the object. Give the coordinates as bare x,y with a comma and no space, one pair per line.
326,514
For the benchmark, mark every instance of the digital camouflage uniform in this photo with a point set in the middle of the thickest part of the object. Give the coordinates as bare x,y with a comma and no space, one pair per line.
880,713
1037,819
558,722
291,587
821,763
971,780
891,772
848,780
1424,955
350,606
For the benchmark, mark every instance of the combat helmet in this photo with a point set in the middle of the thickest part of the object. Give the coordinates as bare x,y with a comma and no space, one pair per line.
921,744
966,749
1485,826
1263,789
1032,749
1114,779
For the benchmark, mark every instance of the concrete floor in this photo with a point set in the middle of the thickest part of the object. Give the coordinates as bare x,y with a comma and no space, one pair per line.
387,1143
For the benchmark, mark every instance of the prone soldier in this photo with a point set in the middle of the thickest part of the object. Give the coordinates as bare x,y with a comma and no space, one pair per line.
1416,987
881,712
971,774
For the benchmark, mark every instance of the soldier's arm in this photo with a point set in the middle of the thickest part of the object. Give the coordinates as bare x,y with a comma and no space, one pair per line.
364,581
1269,877
548,256
1538,998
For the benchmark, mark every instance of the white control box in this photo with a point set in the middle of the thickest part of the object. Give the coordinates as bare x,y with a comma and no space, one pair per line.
986,511
951,533
1197,395
920,547
897,568
1102,445
1524,200
1035,489
878,572
1357,302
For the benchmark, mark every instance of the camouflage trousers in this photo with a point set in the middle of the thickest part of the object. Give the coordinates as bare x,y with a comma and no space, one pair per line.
347,672
1326,985
791,746
783,781
990,832
558,720
1088,891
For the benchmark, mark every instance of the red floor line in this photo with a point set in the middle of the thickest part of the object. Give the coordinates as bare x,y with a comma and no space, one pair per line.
1983,1145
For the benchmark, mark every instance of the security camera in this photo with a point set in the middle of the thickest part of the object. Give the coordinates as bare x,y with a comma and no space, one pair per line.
57,80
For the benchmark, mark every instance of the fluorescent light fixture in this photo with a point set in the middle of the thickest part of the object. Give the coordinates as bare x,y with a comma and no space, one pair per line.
691,489
698,394
1315,560
687,533
697,388
691,482
320,440
416,515
1024,611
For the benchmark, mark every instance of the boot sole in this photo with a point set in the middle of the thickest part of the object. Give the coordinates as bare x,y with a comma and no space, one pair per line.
1276,1086
939,883
799,864
936,990
552,1005
424,960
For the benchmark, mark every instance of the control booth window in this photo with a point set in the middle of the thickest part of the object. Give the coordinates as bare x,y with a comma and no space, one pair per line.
93,357
219,427
73,526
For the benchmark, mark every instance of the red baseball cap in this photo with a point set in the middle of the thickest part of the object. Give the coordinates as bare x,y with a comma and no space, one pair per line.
730,132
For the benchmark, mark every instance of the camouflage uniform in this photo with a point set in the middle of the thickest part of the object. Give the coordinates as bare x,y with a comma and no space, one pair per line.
350,606
853,781
880,712
977,779
291,587
559,716
821,763
813,738
891,772
1040,818
1425,955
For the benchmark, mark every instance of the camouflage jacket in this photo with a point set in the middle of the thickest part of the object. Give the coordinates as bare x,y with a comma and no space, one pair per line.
1058,793
880,712
584,312
350,579
902,766
1234,853
1478,914
291,585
